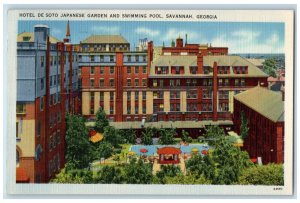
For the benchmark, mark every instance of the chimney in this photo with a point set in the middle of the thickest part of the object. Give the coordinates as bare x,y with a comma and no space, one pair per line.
179,42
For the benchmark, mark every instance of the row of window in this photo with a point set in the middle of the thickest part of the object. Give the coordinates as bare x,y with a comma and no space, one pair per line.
136,109
54,165
105,47
55,60
112,69
195,82
136,96
112,82
54,140
54,118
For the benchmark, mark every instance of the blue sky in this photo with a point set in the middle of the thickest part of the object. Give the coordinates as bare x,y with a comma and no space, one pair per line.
244,37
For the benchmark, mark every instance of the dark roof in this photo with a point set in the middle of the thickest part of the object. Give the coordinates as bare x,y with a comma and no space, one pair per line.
168,150
264,101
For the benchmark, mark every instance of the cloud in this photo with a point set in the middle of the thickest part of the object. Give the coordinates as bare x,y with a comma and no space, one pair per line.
248,41
147,31
105,29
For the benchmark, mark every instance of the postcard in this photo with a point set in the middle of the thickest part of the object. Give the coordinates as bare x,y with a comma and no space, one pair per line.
149,102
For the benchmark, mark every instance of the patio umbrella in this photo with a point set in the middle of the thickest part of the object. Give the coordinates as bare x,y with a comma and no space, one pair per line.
204,152
131,153
144,150
194,150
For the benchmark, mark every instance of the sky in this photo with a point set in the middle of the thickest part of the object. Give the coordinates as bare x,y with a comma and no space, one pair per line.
239,37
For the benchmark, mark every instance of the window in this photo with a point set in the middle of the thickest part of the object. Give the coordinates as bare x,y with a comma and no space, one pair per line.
111,70
220,82
178,82
207,94
136,69
128,58
193,69
111,109
144,82
128,69
101,96
92,110
111,82
144,69
92,70
21,108
175,94
136,110
92,96
226,82
161,107
128,96
144,95
42,61
129,109
192,94
50,81
42,83
111,96
236,82
206,70
101,70
101,58
41,103
111,58
172,84
161,83
136,82
136,96
128,82
92,58
136,58
242,82
192,107
144,109
174,107
51,60
92,82
154,83
144,58
101,82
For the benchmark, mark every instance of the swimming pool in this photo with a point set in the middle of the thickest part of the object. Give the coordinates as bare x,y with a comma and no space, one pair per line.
151,149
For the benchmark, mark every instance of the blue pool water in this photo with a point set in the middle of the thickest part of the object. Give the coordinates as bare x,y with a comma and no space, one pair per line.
153,148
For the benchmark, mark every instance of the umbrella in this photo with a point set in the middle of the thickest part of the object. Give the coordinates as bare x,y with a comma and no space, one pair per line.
144,150
204,152
194,150
131,153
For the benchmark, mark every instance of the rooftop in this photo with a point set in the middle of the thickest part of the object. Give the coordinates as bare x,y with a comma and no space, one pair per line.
30,37
105,39
266,102
168,150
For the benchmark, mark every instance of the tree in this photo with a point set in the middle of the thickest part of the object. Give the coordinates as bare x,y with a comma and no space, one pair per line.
269,67
271,174
244,126
147,136
129,136
79,152
213,134
112,135
166,136
104,149
229,162
167,171
137,172
101,120
189,179
201,166
185,137
75,176
109,175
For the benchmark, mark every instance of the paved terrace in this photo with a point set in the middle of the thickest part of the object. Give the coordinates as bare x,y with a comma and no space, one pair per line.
165,124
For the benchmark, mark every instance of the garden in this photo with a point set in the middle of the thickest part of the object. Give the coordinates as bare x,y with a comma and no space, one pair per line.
103,154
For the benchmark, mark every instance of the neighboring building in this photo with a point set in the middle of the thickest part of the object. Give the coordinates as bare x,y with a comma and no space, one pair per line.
47,88
176,85
264,110
277,83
